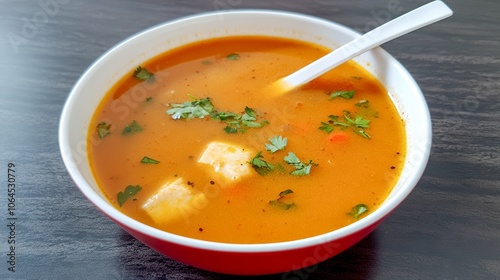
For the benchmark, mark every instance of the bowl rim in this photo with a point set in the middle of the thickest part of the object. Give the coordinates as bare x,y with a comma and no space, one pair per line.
104,206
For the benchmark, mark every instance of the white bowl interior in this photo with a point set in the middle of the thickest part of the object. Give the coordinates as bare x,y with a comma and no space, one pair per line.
109,68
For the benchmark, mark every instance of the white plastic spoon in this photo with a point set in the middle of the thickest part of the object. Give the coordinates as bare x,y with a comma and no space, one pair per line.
418,18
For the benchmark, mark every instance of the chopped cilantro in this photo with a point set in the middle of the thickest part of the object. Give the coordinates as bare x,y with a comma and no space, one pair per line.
301,169
363,133
280,203
238,123
277,143
346,94
326,127
233,56
363,103
148,160
132,128
199,108
365,108
335,121
357,123
129,191
358,210
223,116
103,129
230,130
285,192
142,73
260,165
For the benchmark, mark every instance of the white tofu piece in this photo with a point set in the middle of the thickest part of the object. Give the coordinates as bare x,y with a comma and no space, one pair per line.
174,200
227,160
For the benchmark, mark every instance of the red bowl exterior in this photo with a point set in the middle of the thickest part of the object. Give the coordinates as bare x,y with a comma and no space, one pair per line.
252,263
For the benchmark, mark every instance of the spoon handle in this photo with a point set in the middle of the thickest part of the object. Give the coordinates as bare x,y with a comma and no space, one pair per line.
413,20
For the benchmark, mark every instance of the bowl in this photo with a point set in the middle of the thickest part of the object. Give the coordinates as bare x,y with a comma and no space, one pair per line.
241,259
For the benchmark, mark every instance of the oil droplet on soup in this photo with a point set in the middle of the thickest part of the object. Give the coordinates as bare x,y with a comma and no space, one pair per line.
195,142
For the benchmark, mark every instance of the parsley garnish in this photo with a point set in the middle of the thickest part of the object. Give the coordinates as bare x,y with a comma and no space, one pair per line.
279,202
358,210
260,165
132,128
301,169
142,73
233,56
148,160
346,94
199,108
277,143
103,129
129,191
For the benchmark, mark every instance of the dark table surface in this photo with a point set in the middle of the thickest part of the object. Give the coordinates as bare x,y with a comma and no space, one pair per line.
448,228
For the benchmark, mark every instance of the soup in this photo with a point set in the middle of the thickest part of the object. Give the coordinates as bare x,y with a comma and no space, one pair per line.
197,143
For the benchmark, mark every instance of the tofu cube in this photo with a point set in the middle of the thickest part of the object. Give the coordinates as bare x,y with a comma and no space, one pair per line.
227,160
174,200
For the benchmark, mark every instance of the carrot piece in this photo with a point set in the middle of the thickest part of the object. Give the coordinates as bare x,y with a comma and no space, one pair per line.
338,137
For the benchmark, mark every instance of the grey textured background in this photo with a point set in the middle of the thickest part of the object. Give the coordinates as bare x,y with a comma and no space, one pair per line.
448,228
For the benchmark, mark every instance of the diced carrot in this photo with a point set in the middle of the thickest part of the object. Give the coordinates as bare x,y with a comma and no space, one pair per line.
338,137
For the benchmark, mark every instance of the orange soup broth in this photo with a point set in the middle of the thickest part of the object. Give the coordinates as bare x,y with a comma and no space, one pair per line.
349,169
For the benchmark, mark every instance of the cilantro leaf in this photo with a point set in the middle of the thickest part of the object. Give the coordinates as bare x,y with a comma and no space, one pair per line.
285,192
129,191
363,133
358,210
301,169
326,127
132,128
103,129
358,124
223,116
277,143
148,160
346,94
142,73
230,129
335,121
238,123
260,165
280,203
233,56
363,103
199,108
